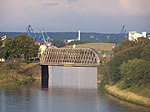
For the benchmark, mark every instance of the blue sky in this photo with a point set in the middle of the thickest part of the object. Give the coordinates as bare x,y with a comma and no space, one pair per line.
106,16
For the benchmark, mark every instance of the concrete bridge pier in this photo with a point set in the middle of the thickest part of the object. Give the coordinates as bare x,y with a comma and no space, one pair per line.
69,77
73,68
44,76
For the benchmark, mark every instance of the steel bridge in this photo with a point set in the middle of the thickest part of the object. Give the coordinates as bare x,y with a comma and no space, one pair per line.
70,56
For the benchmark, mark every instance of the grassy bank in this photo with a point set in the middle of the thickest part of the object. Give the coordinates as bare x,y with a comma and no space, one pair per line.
127,74
98,46
14,74
139,95
127,95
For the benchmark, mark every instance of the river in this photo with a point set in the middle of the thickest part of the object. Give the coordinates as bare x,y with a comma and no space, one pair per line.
33,98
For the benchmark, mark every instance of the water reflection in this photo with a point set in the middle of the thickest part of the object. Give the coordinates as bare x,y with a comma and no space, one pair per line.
34,99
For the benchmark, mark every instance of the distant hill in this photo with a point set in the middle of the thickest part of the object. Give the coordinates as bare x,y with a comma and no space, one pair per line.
94,37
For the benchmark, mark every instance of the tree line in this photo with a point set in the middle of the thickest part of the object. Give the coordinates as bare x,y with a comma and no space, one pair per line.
130,65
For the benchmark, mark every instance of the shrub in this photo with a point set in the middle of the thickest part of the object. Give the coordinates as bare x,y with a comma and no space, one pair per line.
135,72
119,58
142,41
133,52
124,44
146,52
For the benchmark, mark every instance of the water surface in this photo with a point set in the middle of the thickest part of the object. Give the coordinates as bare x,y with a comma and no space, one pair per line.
35,99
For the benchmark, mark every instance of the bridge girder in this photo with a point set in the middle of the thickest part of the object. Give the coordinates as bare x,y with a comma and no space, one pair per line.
75,56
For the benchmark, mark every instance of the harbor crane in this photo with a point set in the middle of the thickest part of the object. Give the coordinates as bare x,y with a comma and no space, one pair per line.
121,35
41,37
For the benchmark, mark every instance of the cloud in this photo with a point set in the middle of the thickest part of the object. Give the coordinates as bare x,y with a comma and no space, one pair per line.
72,0
135,7
70,13
52,4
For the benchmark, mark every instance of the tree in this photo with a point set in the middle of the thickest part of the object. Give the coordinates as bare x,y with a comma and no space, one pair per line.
22,45
135,72
113,67
58,43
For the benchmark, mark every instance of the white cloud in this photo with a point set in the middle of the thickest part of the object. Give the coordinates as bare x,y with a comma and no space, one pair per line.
136,7
63,13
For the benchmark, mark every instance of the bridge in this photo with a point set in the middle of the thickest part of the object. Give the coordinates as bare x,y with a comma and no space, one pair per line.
72,56
69,67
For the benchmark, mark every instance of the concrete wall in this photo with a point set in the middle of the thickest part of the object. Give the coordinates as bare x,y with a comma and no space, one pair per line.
72,77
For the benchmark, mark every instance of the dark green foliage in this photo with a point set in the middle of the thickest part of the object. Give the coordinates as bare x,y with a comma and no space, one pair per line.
119,58
146,52
102,73
128,50
58,43
127,44
0,43
18,47
132,52
135,72
114,74
124,44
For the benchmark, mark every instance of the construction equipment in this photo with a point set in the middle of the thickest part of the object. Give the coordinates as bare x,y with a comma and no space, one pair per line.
31,33
41,37
123,30
121,35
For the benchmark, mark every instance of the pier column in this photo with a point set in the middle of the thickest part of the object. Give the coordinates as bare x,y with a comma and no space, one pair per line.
45,76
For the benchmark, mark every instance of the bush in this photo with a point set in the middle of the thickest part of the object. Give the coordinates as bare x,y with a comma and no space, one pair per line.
124,45
142,41
135,72
133,52
119,58
146,52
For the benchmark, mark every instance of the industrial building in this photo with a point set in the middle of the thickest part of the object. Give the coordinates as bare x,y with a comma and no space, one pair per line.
133,35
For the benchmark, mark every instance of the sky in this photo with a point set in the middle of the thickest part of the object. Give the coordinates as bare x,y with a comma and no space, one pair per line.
104,16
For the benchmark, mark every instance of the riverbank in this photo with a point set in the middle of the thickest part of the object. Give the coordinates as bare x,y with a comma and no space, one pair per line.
127,95
12,74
